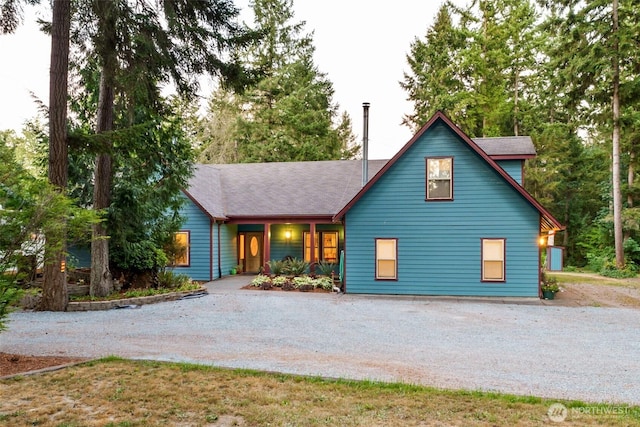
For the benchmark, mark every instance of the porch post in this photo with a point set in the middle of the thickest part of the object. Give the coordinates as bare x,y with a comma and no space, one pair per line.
312,243
267,247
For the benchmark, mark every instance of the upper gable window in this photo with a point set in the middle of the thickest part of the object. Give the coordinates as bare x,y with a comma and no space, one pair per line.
440,178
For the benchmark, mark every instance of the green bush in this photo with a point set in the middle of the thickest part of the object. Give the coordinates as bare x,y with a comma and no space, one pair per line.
295,267
169,279
325,283
300,281
9,295
597,261
611,270
276,267
260,279
139,256
325,268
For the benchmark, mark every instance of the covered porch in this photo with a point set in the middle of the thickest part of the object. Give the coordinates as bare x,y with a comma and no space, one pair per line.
311,240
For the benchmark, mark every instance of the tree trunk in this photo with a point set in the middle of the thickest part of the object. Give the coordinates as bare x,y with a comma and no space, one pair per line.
631,176
516,112
54,290
101,279
615,101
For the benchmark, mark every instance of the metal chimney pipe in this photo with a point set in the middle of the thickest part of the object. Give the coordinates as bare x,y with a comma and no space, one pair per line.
365,144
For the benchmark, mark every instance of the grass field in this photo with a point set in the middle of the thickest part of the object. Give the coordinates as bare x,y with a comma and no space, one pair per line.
117,392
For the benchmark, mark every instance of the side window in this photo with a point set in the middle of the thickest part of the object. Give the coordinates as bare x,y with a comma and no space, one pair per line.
181,256
386,259
439,178
493,256
330,246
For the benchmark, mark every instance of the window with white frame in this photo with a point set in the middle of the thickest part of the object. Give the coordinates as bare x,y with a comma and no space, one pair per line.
439,178
493,256
386,259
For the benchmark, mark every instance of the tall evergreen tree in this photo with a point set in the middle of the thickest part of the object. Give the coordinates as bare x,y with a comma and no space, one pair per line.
137,47
289,113
54,290
435,82
596,56
473,65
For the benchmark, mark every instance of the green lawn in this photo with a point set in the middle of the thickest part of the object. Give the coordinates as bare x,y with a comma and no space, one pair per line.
116,392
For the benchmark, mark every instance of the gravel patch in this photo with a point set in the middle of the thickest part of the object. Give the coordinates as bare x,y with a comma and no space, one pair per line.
585,353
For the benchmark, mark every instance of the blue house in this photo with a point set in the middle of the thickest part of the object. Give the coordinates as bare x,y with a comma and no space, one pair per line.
447,215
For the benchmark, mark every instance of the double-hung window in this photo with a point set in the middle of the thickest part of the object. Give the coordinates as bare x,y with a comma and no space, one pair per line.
493,256
386,259
439,178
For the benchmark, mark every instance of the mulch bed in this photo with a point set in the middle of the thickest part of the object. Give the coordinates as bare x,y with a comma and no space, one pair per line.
279,289
11,364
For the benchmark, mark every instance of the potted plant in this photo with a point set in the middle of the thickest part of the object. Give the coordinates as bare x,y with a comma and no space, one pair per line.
549,287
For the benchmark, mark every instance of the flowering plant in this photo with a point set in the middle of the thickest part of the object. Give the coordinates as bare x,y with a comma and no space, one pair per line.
549,284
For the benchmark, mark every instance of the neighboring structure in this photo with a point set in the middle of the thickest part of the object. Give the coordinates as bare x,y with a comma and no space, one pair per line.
447,215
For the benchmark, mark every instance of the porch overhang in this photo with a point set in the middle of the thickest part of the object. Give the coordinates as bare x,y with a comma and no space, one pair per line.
282,219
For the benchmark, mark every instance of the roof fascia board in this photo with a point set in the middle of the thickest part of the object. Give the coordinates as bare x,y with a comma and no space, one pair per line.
439,115
195,202
281,219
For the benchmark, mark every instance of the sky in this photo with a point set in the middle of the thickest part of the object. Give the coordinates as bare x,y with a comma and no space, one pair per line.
361,45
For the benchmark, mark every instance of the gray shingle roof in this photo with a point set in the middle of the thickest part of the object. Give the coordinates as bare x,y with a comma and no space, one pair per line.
297,189
290,189
507,146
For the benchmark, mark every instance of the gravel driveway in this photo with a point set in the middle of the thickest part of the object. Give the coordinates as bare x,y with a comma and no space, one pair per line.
583,353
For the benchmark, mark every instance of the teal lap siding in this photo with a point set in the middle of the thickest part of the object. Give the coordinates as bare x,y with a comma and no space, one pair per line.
228,249
200,245
439,243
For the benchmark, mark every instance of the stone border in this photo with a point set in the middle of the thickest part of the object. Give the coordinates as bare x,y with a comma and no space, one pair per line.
131,302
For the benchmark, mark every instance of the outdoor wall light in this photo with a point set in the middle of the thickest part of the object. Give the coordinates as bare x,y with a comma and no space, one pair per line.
542,241
287,235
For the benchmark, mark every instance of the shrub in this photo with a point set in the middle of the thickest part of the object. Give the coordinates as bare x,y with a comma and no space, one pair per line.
300,281
325,268
295,266
596,261
169,279
260,279
325,283
276,267
279,281
611,270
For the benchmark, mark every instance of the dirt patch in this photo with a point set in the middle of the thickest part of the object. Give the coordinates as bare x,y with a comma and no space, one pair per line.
11,364
590,290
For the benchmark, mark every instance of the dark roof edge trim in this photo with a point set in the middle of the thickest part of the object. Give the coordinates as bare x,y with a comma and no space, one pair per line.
281,219
439,115
513,156
195,202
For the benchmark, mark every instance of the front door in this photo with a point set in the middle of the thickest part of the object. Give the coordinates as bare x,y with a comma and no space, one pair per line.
252,249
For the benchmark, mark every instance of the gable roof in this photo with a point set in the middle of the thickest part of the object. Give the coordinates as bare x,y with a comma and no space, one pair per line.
547,222
277,190
507,147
